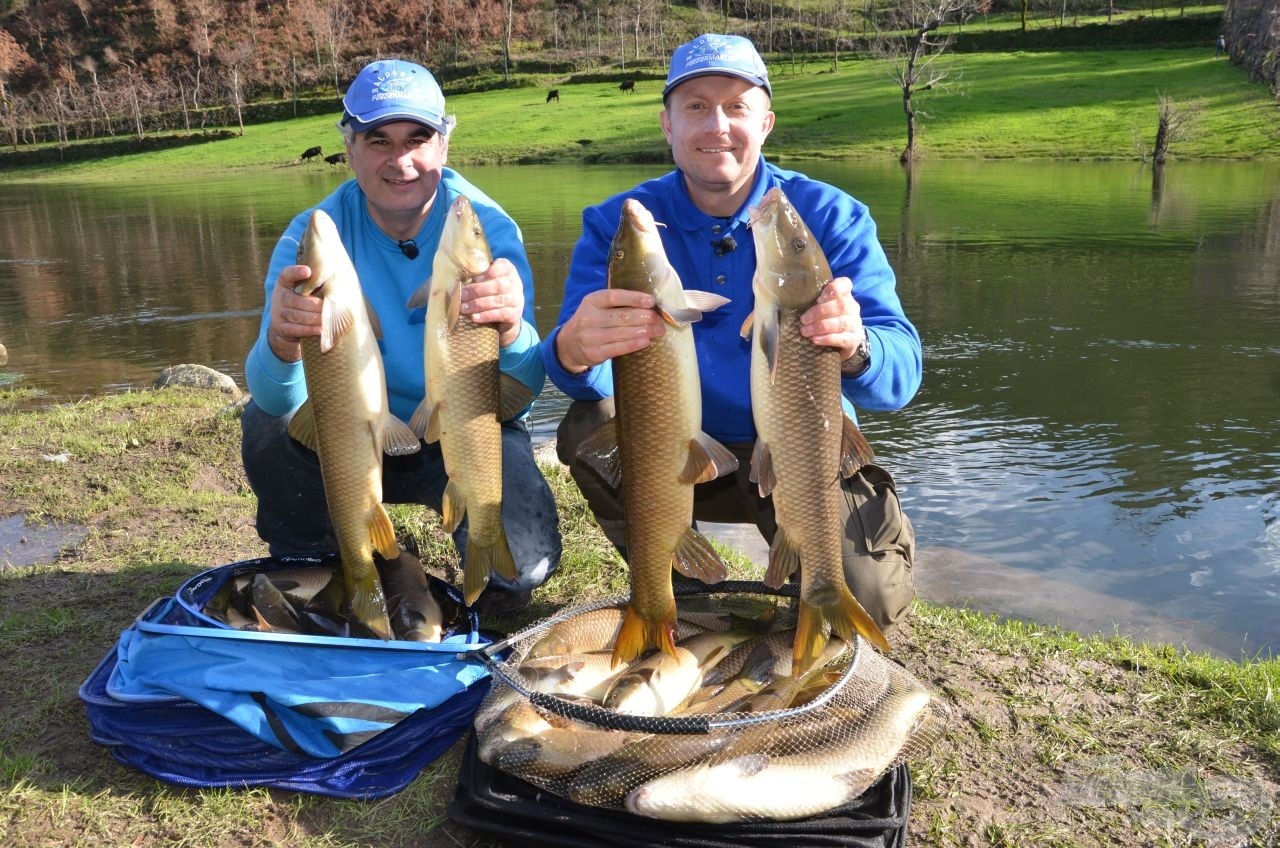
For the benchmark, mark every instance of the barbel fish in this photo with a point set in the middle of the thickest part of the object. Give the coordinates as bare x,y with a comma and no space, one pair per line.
805,440
654,450
345,419
784,788
467,399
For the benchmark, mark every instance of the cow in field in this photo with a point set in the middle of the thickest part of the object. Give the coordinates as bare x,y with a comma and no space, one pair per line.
553,94
627,86
310,153
336,158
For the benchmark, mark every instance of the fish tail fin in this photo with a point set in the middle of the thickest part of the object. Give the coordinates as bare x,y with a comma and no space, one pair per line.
638,634
810,639
368,604
846,615
485,559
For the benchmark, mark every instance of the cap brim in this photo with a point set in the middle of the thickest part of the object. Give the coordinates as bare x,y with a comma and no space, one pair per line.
724,72
390,117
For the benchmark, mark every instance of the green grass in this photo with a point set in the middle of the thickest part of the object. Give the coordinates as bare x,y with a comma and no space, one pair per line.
1044,105
155,479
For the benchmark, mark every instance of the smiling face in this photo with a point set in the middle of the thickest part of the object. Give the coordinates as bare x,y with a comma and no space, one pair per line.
716,126
398,166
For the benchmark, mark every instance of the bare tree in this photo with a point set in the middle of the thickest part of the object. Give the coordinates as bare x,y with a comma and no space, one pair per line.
912,56
1176,123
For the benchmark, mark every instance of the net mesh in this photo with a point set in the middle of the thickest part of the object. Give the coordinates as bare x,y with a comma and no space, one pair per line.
729,735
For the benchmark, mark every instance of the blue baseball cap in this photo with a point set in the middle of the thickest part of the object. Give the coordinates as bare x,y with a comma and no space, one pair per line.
394,90
731,55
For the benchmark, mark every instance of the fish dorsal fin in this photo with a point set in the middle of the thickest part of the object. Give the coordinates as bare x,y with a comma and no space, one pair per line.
426,421
513,396
695,557
397,438
421,297
382,534
704,301
762,468
707,460
600,452
303,425
855,450
335,320
374,323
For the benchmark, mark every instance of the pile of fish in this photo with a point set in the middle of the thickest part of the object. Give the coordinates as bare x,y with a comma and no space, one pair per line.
765,756
310,599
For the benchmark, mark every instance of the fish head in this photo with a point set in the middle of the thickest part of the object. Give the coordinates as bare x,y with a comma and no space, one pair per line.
791,268
637,260
321,250
463,239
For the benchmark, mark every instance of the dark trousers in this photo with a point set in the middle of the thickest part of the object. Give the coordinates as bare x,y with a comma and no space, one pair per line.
879,541
293,516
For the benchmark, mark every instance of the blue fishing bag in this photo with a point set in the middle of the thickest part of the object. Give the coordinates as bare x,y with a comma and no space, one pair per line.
191,701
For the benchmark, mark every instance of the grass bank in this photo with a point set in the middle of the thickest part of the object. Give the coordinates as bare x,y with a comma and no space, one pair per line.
1056,740
1059,105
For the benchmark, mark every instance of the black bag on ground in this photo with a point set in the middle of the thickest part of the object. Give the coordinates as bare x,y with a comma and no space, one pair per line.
519,814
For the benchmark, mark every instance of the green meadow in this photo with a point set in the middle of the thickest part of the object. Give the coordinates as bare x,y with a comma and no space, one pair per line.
1033,105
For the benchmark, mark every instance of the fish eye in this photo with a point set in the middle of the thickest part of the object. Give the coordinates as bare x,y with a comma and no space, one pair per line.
619,253
798,245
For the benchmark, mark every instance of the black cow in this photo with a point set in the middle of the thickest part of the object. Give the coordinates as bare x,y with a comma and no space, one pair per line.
627,86
336,158
310,153
553,94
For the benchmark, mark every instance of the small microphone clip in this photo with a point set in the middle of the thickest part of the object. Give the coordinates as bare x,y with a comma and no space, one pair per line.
724,245
408,247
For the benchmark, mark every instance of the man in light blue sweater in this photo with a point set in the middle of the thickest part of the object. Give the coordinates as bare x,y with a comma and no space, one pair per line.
390,218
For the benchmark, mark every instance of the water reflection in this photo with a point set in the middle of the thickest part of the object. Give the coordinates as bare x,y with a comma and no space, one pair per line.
1095,441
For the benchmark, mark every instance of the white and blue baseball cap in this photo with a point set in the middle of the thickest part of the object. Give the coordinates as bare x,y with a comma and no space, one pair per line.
394,90
731,55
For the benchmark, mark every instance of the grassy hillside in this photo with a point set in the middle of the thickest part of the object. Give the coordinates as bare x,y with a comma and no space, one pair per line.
1068,104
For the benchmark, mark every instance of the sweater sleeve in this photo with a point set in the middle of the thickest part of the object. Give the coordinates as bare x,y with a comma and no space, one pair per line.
277,387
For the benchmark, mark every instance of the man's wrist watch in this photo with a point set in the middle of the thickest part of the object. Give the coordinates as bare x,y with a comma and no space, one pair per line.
857,361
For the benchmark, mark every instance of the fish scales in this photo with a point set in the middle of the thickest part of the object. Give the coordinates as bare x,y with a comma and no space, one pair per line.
803,432
464,402
346,419
654,449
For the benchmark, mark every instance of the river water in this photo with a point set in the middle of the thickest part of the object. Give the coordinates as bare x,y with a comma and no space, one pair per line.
1097,441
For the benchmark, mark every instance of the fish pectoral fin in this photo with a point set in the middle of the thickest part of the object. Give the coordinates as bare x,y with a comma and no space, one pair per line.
762,468
855,450
303,425
421,297
600,452
695,557
425,423
382,534
335,321
707,460
374,322
745,332
513,396
678,316
748,764
784,560
704,301
768,331
453,305
398,439
453,507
